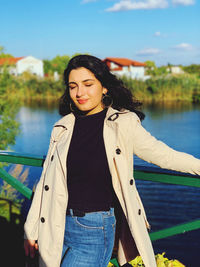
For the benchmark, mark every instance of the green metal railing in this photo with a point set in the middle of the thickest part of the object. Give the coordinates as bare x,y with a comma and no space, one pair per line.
141,173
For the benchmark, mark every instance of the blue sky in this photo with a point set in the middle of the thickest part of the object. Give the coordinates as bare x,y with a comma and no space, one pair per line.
165,31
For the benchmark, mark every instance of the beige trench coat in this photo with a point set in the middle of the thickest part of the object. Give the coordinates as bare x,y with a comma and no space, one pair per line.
123,137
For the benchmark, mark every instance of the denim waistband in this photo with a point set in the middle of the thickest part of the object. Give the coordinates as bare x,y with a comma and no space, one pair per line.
80,213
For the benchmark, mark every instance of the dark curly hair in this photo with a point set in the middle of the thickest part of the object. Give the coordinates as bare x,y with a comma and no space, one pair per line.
121,96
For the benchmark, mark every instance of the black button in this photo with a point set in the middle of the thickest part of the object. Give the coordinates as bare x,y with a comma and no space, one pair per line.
118,151
139,211
46,187
42,219
131,182
52,158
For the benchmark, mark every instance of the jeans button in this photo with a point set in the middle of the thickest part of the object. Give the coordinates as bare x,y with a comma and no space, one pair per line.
42,219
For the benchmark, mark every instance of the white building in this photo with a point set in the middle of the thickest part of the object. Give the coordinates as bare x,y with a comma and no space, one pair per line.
22,64
128,67
175,70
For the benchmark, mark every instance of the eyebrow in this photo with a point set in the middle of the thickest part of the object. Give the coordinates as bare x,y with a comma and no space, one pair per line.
82,81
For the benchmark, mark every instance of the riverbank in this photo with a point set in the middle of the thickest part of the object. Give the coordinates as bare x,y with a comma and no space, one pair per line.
27,87
166,88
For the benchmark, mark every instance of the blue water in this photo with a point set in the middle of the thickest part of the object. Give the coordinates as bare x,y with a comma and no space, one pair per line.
178,125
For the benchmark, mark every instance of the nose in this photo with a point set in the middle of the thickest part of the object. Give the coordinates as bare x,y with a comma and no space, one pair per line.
80,91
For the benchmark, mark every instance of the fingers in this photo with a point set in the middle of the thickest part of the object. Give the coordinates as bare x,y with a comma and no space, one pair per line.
30,247
26,248
36,245
32,251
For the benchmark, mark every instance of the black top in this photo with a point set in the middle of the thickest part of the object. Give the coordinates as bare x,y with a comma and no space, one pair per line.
88,176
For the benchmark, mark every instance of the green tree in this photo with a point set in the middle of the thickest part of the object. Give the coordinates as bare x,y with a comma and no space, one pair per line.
2,54
150,67
193,68
48,68
9,128
59,63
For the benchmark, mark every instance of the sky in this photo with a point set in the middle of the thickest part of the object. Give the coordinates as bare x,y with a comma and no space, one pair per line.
163,31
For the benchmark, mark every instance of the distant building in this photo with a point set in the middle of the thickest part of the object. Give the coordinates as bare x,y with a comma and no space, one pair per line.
21,64
175,70
127,67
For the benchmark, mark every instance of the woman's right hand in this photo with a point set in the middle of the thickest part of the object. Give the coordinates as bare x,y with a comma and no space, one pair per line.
30,247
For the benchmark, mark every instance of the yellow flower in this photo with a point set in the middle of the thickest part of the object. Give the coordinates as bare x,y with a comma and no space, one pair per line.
137,262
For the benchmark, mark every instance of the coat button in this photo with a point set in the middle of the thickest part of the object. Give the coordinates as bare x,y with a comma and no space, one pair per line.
52,158
46,187
131,182
139,211
42,219
118,151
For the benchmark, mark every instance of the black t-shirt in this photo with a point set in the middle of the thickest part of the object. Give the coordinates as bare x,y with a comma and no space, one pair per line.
88,177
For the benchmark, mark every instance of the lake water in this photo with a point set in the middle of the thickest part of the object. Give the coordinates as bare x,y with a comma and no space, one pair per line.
178,125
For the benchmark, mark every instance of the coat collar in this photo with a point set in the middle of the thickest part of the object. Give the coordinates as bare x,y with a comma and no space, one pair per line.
68,120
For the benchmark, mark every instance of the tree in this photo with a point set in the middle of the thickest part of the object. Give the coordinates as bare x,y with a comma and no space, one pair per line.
193,68
9,128
150,67
2,54
58,63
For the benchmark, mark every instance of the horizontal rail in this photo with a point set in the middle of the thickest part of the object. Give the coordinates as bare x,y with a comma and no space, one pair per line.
153,174
24,159
156,174
178,229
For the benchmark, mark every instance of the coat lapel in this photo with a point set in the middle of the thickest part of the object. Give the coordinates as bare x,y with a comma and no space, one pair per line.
64,128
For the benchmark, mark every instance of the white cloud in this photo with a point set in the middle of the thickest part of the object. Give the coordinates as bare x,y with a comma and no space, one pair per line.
157,34
124,5
160,34
183,47
183,2
148,52
87,1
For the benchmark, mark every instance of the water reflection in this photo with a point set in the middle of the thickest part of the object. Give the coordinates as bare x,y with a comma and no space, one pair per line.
42,104
160,109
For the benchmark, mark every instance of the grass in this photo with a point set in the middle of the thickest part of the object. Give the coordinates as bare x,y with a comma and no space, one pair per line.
185,87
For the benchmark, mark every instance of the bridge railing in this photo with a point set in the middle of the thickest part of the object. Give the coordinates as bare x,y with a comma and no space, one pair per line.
153,174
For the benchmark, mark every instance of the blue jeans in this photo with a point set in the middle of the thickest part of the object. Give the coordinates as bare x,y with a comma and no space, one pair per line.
89,240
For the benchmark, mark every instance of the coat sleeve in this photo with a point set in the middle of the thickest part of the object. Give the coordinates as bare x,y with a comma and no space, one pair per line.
148,148
33,217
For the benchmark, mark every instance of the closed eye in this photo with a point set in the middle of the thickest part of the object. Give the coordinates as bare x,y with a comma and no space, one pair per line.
72,87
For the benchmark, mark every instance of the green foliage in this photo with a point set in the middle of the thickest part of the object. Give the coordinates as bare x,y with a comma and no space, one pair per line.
169,87
152,70
161,261
194,68
58,63
9,197
9,128
2,54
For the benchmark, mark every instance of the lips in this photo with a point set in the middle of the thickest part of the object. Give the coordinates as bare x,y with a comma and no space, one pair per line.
82,101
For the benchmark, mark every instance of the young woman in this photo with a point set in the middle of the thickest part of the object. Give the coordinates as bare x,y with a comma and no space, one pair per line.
86,198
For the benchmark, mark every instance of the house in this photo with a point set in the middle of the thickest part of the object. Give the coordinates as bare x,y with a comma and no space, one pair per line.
127,67
175,70
19,65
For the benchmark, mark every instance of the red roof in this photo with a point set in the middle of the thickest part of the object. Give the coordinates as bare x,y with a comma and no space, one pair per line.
9,60
123,61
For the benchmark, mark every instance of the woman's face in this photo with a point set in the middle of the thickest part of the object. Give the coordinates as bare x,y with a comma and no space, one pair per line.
86,91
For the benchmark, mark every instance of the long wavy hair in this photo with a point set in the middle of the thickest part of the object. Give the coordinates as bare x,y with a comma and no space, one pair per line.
122,97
